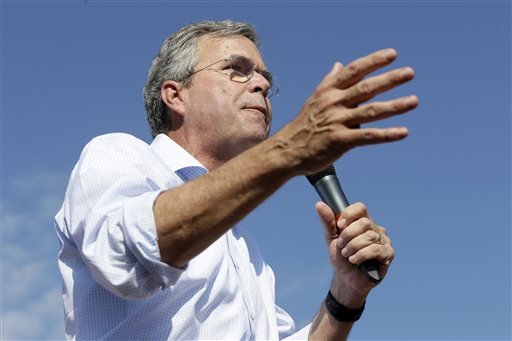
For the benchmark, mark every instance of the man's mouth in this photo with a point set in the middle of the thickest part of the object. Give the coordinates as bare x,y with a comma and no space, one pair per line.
259,108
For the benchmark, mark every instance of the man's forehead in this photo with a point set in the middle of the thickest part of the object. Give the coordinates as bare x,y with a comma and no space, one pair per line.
212,48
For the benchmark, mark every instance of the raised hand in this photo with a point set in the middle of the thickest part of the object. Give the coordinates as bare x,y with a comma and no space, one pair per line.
329,122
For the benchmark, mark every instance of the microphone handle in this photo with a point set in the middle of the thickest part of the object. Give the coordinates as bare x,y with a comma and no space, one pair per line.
329,190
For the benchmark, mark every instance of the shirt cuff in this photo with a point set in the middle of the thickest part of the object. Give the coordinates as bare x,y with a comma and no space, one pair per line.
142,240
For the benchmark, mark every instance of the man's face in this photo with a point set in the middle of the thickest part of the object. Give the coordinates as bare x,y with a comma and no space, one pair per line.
223,116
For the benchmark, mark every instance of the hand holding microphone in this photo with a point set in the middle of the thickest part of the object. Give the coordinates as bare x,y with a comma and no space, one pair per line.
328,187
329,125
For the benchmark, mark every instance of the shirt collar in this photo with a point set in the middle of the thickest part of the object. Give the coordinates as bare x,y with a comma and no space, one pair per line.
172,154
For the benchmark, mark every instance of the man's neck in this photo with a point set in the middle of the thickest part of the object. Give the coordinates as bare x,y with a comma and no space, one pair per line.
207,157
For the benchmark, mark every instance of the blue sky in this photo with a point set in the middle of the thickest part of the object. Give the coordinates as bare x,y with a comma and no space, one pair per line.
72,70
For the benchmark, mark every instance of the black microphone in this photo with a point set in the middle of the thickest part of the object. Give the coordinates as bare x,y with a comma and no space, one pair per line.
328,187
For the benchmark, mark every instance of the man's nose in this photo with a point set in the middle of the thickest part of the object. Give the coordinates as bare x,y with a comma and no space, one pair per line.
258,83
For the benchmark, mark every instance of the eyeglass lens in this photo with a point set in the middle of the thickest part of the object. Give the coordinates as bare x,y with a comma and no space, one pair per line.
244,69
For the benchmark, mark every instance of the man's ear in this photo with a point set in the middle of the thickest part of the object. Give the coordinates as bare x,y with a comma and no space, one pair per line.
172,96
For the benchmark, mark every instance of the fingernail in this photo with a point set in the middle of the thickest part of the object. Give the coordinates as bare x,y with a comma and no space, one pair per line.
344,252
403,131
406,73
389,53
411,101
341,223
341,242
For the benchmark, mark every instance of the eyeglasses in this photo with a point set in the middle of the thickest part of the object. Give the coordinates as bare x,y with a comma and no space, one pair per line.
241,70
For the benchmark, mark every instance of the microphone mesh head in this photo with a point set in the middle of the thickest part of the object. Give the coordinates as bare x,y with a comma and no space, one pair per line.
312,178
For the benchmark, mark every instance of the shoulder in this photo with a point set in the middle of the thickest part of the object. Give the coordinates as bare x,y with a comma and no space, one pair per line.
116,143
116,140
114,150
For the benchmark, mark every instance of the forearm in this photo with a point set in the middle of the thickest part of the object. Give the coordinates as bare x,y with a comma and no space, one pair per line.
189,218
319,135
325,327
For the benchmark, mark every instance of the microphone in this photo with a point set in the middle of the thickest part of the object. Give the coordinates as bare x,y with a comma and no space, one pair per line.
328,187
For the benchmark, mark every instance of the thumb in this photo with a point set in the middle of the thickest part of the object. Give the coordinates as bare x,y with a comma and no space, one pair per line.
328,221
332,79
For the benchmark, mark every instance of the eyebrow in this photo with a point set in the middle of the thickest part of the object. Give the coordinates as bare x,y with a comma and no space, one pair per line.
264,72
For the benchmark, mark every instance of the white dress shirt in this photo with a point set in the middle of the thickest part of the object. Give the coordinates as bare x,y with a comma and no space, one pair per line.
114,284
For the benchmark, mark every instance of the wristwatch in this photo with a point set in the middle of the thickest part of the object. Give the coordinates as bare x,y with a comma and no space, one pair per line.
340,312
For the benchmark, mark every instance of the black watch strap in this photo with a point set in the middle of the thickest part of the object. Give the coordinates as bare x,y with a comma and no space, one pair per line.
340,312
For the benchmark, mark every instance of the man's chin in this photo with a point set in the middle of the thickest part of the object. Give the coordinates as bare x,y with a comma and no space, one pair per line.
250,141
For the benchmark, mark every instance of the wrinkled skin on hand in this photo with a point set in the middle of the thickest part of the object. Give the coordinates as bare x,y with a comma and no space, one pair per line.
328,124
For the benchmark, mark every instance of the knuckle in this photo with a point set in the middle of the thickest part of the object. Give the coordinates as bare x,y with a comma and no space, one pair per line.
314,104
368,136
352,70
371,111
374,248
388,258
348,250
358,204
391,253
364,88
382,59
366,223
346,236
362,207
387,136
323,100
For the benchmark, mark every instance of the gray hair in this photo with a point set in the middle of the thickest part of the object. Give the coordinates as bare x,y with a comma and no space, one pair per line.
176,61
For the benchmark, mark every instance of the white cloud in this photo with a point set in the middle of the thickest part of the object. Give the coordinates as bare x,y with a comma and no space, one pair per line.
31,289
20,279
49,183
40,320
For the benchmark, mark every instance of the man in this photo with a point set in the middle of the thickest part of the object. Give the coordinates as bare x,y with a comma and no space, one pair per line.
145,256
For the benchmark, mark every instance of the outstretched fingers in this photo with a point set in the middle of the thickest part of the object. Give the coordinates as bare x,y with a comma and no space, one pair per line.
379,110
367,136
371,87
343,77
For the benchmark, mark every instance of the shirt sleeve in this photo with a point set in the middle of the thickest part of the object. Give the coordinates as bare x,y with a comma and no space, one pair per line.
285,323
110,216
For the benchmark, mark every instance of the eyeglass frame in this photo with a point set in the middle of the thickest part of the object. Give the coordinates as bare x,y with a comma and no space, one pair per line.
273,89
